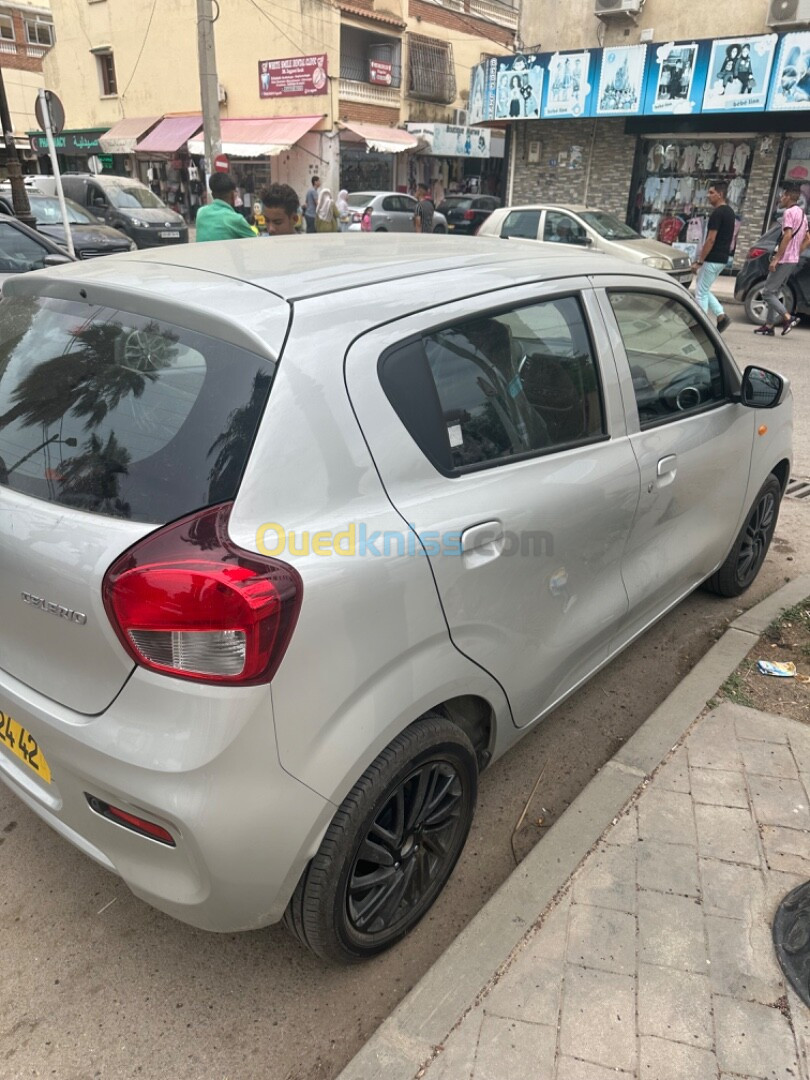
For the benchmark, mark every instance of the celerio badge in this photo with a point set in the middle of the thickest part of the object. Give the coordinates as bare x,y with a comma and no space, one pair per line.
77,617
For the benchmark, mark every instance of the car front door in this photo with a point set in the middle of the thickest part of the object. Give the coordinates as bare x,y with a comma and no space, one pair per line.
693,444
97,202
499,437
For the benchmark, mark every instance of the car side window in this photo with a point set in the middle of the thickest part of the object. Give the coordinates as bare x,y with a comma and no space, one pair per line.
674,365
392,204
497,387
562,229
96,197
521,223
19,252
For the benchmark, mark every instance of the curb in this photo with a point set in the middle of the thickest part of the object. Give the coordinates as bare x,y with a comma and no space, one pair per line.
423,1019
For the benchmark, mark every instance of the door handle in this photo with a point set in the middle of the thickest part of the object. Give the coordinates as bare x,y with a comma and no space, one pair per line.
480,543
667,465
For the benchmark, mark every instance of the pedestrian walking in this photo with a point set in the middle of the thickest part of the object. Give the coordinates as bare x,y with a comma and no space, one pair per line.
715,252
281,207
311,204
784,261
326,212
423,218
219,220
344,210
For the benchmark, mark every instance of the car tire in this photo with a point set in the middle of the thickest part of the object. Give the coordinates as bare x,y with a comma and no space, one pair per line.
755,307
746,557
404,824
440,229
381,230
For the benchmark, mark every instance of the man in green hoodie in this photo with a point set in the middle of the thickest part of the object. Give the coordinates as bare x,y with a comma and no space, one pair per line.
219,220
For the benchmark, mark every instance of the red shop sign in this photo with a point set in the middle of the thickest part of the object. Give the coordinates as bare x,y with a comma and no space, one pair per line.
380,72
295,76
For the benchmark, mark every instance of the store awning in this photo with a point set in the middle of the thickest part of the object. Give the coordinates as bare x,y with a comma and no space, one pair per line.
259,137
172,133
385,140
121,137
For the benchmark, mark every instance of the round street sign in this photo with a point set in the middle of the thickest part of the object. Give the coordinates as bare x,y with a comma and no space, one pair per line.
55,108
221,163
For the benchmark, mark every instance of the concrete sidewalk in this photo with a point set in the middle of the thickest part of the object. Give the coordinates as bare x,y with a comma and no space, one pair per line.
634,941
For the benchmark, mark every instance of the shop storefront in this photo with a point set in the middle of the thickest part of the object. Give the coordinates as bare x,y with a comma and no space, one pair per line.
163,163
73,151
370,157
453,160
120,140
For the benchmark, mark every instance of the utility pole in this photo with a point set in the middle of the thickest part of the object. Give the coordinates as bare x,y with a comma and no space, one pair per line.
19,196
209,83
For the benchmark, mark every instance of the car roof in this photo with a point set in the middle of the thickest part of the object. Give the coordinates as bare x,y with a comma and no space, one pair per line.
575,208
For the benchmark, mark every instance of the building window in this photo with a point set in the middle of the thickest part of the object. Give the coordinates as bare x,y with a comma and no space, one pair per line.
370,58
6,28
431,72
39,32
106,74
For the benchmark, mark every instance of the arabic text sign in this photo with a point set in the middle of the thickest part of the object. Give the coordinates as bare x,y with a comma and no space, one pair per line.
68,143
295,76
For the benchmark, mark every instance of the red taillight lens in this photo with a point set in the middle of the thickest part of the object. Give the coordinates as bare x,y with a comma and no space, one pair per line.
365,222
756,252
188,602
356,219
469,215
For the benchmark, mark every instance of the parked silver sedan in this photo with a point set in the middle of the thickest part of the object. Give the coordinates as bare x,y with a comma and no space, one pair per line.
387,211
293,549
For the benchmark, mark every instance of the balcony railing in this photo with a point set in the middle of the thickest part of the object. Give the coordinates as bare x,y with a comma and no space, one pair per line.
492,11
8,47
369,93
36,52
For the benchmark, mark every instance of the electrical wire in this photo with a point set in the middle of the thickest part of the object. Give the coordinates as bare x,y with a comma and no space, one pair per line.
140,54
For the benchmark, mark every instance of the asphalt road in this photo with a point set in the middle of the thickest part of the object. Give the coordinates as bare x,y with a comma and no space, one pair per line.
96,984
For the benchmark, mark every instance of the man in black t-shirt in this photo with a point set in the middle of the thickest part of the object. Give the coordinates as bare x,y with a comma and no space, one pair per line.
715,253
423,218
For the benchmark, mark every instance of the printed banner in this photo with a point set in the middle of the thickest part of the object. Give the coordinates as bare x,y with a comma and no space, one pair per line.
380,73
568,85
295,76
791,86
621,81
674,83
739,74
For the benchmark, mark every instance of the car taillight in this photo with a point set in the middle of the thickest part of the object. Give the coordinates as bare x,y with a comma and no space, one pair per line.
365,222
469,215
356,219
186,601
756,252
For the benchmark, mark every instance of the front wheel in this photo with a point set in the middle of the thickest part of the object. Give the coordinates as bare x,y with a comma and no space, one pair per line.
757,310
391,846
746,557
440,229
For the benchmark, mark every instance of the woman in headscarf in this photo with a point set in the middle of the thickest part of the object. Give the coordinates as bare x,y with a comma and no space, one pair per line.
344,210
326,213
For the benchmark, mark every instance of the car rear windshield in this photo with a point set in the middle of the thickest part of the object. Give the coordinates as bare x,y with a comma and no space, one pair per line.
359,198
122,415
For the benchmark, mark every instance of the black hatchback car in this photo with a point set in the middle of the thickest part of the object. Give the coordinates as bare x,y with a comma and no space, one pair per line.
465,213
751,279
90,237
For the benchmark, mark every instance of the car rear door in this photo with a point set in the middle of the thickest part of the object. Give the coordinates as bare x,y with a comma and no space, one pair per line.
498,432
522,223
693,443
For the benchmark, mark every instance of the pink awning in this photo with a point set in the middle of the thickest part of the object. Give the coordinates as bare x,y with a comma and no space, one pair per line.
122,137
260,136
172,133
386,140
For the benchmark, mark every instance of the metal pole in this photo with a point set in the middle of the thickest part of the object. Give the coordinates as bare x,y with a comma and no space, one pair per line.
46,115
209,83
19,196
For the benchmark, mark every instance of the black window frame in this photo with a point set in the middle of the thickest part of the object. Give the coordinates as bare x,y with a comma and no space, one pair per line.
419,383
719,349
107,74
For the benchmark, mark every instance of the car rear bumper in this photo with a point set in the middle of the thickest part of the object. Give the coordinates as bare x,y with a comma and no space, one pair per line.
201,763
149,238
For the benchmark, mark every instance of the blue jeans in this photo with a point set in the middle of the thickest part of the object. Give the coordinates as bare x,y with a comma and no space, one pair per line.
706,277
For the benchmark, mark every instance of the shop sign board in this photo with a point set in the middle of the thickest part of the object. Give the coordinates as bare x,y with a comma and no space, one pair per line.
739,73
294,76
72,143
380,73
621,81
568,85
790,88
450,140
676,80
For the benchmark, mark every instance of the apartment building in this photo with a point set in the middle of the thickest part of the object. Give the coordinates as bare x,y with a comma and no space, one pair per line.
26,35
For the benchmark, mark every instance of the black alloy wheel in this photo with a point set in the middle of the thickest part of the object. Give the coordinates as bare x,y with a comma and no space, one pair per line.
746,557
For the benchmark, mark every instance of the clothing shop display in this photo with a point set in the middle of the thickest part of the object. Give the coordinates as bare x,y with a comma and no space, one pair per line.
672,194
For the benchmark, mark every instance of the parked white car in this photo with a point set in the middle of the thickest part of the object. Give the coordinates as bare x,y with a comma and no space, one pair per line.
293,548
583,226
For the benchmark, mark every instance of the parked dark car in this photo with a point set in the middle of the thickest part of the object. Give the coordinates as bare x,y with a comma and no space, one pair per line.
23,249
751,279
90,237
465,213
127,205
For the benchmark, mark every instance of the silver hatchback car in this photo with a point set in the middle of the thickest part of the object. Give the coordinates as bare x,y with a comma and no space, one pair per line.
386,211
292,549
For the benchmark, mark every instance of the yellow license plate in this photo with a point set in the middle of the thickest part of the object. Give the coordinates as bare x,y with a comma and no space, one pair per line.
24,746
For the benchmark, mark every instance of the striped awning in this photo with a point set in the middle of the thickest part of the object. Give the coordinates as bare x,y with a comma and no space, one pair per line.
260,136
122,137
170,135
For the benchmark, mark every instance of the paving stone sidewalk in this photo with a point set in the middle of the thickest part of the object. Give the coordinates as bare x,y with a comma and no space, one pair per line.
656,961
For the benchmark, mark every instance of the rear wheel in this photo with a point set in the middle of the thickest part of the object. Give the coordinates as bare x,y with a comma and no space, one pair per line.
391,846
755,307
751,546
440,229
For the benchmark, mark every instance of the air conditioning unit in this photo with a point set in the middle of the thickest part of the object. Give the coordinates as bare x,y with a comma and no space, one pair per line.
618,9
222,94
783,14
460,117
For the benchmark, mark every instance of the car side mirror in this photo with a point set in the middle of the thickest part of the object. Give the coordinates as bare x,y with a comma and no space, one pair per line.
56,260
761,389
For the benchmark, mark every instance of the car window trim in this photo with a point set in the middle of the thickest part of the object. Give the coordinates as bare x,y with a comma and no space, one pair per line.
529,455
723,358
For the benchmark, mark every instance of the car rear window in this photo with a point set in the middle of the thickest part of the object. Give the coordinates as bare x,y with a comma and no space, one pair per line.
121,415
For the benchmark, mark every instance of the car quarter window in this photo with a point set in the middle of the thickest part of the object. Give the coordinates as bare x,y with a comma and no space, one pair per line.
495,387
521,223
19,252
673,363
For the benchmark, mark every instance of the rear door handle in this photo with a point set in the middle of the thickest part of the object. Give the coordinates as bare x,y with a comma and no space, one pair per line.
667,465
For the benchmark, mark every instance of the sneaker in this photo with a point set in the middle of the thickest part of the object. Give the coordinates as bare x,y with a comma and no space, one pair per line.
766,331
722,322
789,326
